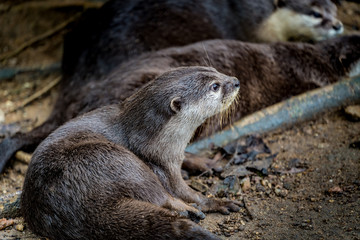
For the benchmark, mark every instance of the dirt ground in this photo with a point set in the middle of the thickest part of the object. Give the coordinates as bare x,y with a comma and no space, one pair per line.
311,190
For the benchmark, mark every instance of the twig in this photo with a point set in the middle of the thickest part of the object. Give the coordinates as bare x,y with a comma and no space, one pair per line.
36,39
57,4
35,95
7,73
23,157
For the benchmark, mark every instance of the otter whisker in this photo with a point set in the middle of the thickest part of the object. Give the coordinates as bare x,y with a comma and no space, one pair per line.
207,55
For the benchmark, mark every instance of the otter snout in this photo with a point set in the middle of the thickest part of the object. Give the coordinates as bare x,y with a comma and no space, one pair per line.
233,84
231,89
338,26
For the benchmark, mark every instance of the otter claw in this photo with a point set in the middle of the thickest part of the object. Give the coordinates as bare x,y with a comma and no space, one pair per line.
194,216
224,211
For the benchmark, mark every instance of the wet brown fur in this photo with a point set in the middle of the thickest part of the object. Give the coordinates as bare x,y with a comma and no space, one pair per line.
115,172
122,29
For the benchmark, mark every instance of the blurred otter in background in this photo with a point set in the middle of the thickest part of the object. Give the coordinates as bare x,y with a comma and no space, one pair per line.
122,29
268,73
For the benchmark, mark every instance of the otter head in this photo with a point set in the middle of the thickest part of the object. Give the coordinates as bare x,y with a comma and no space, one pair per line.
161,118
197,93
306,20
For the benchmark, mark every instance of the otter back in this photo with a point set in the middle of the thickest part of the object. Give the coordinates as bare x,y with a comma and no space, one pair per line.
123,29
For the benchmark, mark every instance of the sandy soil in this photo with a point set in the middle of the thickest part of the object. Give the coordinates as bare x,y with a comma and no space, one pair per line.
320,202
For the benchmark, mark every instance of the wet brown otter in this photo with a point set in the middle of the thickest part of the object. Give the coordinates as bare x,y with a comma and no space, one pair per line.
269,73
122,29
114,173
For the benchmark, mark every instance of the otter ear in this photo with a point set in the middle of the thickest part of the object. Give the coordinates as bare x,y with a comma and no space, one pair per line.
175,104
279,3
344,60
342,57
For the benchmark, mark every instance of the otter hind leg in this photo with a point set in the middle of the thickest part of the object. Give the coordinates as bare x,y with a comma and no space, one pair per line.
133,219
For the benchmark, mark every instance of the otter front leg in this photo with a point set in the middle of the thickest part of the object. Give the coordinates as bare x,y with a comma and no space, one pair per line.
180,189
184,209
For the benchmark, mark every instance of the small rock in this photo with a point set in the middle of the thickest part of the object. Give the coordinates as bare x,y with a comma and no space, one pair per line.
353,112
323,145
293,163
19,227
265,183
335,189
281,192
260,188
245,184
232,183
277,191
241,228
4,223
287,185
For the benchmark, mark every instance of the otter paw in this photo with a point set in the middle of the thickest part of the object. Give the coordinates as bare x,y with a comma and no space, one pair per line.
194,215
222,206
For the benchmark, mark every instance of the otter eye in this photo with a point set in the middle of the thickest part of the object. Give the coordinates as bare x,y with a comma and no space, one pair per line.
315,14
215,87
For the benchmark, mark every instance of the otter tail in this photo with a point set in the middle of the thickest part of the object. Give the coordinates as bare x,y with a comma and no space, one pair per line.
25,141
127,219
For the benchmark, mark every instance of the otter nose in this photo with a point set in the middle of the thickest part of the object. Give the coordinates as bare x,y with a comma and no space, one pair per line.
236,83
338,26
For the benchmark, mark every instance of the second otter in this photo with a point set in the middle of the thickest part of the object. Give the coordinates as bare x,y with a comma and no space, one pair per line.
269,73
114,173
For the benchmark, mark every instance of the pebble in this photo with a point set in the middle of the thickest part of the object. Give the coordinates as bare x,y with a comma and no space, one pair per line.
260,188
265,183
4,223
353,112
335,189
245,184
281,192
323,145
19,227
287,185
241,228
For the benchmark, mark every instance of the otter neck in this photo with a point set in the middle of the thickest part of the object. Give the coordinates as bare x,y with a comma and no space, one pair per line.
158,135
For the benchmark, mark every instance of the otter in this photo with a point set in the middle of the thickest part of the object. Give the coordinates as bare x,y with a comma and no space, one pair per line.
269,73
122,29
115,172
